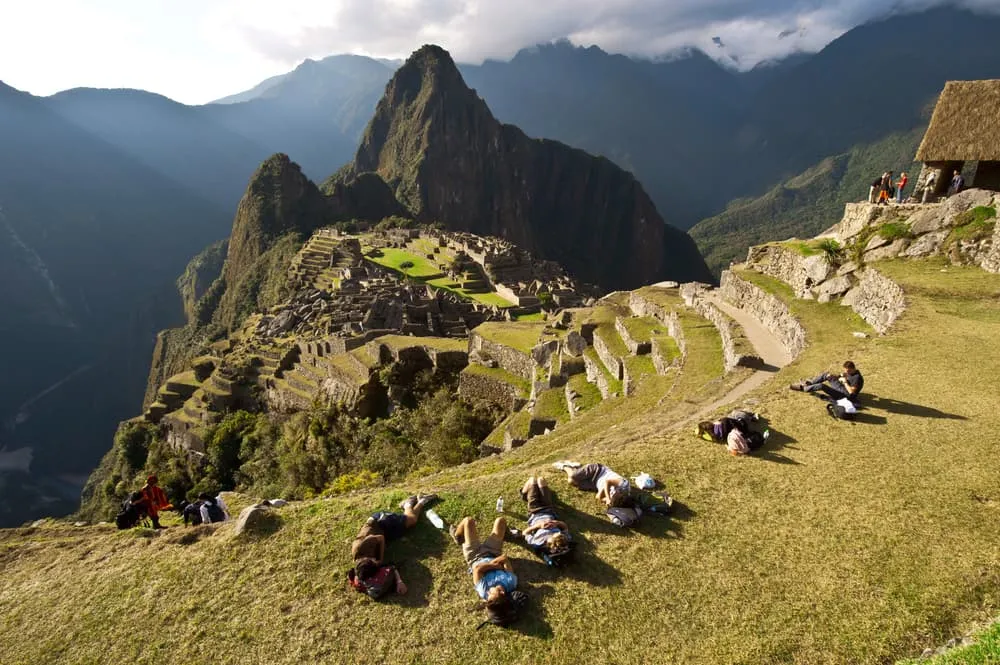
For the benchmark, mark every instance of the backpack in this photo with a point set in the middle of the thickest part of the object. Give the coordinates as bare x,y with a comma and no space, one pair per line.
754,439
128,517
558,559
215,513
839,412
743,418
378,585
624,517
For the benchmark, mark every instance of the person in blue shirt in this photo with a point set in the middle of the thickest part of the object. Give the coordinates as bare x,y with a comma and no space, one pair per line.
492,573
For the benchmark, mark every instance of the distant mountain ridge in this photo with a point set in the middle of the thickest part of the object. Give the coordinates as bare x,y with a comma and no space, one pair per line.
439,148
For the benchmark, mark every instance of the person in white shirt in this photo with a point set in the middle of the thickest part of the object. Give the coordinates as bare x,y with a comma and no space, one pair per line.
612,489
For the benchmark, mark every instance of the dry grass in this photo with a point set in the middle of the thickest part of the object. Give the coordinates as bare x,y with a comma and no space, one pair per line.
841,542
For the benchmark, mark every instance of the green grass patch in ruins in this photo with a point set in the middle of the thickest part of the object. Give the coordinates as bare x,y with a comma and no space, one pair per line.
551,403
530,318
519,335
895,230
588,394
418,267
974,224
669,350
614,384
497,374
642,328
493,299
638,367
604,316
436,343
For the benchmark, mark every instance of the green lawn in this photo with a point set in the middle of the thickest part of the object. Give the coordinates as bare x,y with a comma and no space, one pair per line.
589,395
394,258
437,343
551,403
643,328
839,542
519,335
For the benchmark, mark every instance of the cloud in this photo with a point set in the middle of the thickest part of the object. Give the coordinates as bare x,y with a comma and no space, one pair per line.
745,30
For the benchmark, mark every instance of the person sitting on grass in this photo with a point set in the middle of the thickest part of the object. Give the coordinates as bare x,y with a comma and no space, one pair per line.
212,509
612,489
837,386
492,573
368,548
546,535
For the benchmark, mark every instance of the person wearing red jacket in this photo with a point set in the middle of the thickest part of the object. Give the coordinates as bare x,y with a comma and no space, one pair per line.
155,500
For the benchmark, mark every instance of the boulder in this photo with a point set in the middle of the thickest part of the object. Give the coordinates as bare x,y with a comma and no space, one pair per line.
851,297
929,219
857,217
834,287
257,520
543,352
282,323
926,245
848,268
888,252
877,241
817,268
970,198
575,344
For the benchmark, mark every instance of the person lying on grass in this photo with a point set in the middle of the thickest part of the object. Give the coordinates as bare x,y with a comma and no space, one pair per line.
546,535
492,573
612,489
368,548
848,384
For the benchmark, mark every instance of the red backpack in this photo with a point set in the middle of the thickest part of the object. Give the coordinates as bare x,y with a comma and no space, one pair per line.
376,586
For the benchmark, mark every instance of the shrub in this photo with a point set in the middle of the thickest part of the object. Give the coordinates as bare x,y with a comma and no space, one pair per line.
831,248
895,230
974,224
132,442
978,215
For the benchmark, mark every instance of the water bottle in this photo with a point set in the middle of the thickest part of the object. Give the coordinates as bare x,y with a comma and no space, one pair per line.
499,504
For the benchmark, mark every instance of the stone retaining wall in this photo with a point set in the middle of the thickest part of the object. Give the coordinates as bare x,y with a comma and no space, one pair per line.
877,299
596,376
660,360
610,360
802,273
635,347
766,308
735,345
506,357
642,306
477,387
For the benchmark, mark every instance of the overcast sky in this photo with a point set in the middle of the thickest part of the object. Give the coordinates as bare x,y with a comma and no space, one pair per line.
198,50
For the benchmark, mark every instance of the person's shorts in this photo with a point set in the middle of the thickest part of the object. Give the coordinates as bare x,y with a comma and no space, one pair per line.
491,547
585,478
538,499
392,525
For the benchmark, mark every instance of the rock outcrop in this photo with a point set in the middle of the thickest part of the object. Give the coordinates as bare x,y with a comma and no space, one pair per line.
877,299
447,159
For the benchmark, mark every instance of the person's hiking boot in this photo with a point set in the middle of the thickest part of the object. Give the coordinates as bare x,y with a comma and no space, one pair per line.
453,532
424,499
797,386
409,502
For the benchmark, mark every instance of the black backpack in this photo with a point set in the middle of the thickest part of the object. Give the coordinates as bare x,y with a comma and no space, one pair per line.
215,513
556,559
837,412
624,517
128,517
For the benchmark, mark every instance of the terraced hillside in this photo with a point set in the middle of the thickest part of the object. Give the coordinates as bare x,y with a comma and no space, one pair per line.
839,542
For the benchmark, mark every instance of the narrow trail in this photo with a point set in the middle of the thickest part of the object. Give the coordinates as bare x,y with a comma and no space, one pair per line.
764,342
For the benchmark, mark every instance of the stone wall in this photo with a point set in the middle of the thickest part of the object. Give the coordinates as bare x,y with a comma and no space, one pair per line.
506,357
477,387
635,347
660,359
610,360
737,351
990,261
642,306
766,308
802,273
877,299
596,376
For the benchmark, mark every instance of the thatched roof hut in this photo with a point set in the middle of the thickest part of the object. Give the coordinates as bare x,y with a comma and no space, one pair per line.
965,127
966,124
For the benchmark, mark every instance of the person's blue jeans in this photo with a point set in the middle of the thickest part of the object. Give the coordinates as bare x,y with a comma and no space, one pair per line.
899,195
834,388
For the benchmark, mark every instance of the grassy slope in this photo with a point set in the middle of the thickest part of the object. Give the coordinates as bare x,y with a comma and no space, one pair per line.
840,543
806,204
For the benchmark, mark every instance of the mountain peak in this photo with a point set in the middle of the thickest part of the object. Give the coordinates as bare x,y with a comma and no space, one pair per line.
429,67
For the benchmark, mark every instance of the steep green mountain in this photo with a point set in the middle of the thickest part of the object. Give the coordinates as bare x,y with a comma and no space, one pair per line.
808,203
438,146
89,237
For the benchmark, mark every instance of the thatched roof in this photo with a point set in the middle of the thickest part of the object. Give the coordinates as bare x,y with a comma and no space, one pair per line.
965,125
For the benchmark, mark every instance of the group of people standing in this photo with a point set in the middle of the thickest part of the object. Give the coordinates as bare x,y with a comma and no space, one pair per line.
884,189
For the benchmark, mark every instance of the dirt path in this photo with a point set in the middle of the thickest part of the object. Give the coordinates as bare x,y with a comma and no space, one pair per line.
767,346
